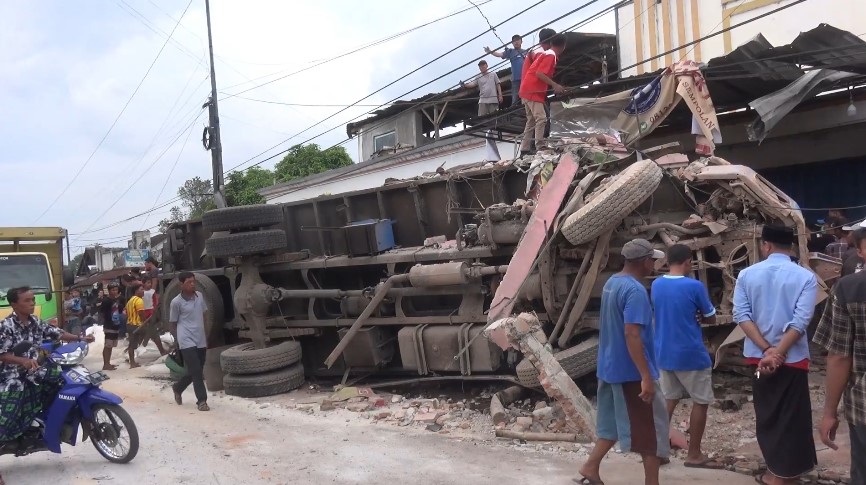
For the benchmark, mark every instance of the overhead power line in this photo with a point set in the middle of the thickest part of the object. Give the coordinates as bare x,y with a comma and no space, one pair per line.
348,53
114,123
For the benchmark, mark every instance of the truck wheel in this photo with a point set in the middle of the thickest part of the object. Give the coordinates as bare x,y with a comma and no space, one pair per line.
213,325
246,243
265,384
242,217
615,199
577,361
247,359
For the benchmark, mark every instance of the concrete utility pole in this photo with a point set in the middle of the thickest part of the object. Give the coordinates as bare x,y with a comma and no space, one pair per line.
211,138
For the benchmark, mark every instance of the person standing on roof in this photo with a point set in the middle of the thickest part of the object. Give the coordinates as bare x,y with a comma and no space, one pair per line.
489,89
773,303
631,408
516,57
842,332
685,366
533,91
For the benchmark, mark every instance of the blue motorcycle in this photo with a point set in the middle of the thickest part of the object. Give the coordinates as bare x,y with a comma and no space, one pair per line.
80,403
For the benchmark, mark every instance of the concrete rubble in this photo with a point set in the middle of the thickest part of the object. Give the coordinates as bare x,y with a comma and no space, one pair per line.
524,333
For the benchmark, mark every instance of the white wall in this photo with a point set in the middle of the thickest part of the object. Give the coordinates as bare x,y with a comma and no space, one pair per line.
779,29
375,177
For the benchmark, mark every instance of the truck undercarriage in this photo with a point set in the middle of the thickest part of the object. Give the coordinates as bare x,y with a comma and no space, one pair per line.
400,279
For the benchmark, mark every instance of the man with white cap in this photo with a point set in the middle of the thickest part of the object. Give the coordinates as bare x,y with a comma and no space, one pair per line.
631,408
851,260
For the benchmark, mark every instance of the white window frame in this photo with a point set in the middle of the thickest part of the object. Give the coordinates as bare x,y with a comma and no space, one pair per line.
376,138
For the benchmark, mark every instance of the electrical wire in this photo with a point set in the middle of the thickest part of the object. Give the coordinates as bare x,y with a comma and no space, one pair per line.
113,124
147,169
353,51
409,92
492,29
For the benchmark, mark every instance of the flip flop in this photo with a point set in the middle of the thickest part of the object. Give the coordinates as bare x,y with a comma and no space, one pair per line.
709,464
760,479
587,481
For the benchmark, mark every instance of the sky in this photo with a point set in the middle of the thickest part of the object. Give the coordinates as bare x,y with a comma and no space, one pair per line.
69,69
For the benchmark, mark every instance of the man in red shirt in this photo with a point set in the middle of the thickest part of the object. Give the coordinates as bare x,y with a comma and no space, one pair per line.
533,90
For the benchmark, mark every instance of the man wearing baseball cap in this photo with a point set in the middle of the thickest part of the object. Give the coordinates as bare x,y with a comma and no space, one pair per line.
631,408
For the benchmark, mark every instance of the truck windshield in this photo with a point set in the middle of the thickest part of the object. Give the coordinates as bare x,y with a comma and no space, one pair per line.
24,270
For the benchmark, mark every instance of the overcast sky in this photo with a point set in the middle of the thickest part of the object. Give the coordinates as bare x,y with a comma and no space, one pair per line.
68,68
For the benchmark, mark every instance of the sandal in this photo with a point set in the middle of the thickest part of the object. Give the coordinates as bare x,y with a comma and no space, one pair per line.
708,463
202,406
587,481
760,478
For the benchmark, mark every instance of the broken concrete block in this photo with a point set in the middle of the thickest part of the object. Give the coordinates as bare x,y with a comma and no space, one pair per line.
524,333
383,415
396,398
542,412
540,405
426,417
358,407
327,406
522,423
434,427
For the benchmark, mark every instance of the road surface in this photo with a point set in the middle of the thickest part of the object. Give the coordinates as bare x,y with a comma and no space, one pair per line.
244,442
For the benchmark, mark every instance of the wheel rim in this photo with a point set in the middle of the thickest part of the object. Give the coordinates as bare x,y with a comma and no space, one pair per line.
110,435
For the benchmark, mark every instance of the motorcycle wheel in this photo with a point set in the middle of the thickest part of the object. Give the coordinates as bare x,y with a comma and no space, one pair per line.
113,433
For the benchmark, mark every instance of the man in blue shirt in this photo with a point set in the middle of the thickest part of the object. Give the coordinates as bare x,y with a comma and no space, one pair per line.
516,56
680,303
773,304
631,408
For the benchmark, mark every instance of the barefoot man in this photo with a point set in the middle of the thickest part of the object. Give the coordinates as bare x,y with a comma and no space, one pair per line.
631,409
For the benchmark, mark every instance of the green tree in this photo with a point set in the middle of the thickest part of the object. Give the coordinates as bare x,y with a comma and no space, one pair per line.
242,187
175,214
196,194
304,160
76,261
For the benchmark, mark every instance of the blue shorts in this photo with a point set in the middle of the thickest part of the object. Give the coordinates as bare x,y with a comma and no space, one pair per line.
638,426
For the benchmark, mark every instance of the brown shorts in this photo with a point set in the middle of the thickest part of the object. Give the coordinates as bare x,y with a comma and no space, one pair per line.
111,338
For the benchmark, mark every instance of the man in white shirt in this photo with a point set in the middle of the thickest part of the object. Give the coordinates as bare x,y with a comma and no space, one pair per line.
186,321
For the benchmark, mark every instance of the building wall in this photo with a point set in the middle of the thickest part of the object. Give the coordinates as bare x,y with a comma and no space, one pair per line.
375,176
407,126
651,27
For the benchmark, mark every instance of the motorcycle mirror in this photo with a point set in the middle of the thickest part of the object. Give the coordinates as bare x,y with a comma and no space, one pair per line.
21,348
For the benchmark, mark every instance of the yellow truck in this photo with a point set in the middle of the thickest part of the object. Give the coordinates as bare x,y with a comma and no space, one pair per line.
33,256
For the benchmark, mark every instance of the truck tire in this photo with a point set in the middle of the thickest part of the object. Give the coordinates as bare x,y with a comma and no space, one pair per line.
265,384
213,325
617,198
242,217
577,361
246,243
247,359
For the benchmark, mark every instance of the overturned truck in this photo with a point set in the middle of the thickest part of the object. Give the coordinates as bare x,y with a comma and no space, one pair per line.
400,279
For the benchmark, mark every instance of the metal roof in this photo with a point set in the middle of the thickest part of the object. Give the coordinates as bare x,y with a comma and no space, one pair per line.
580,63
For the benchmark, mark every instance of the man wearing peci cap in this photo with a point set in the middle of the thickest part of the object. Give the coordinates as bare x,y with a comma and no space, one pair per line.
631,408
773,304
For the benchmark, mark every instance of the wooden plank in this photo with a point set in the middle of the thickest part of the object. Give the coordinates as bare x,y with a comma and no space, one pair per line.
681,27
666,30
653,36
534,236
638,35
696,30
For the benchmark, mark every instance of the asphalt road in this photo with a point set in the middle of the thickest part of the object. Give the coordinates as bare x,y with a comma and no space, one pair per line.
245,442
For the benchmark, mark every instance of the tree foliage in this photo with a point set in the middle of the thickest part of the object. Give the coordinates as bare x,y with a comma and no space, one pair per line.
242,187
304,160
196,194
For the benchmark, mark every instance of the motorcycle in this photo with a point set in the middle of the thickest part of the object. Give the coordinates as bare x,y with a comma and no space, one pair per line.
80,403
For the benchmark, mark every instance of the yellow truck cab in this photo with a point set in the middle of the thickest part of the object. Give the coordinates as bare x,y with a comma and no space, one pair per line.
33,256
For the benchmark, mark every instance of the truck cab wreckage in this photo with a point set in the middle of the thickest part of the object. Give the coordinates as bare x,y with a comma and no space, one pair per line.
403,279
